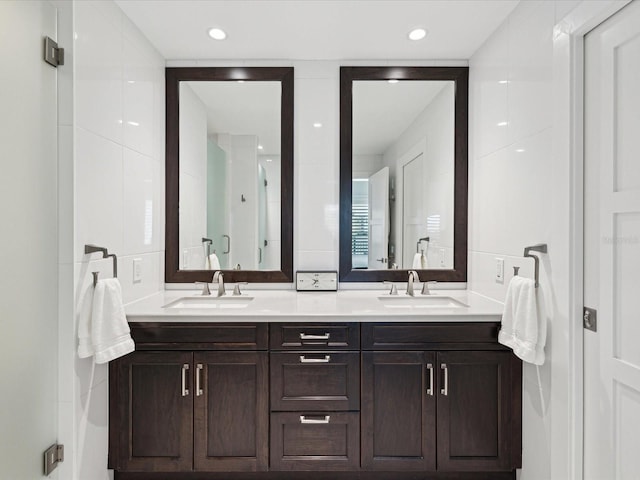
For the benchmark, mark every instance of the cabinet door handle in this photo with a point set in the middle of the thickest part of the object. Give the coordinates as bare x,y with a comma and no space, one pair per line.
430,369
304,336
185,390
199,368
445,390
326,359
305,420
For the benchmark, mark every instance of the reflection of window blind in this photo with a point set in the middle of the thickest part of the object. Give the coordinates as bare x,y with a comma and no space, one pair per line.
360,229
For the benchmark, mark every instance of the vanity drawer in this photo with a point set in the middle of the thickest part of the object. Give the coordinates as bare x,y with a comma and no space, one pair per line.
200,336
315,441
430,336
312,336
321,381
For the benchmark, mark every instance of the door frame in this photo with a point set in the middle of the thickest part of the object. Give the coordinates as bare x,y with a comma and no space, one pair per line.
568,141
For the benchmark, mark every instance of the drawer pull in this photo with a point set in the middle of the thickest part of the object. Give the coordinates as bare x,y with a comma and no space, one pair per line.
185,390
317,421
326,359
430,369
199,368
305,336
445,390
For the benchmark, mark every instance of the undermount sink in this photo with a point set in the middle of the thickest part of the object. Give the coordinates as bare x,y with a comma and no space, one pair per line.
228,301
420,301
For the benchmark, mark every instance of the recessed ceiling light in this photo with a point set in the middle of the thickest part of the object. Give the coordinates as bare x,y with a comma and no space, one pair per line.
502,124
503,82
520,150
269,160
259,147
417,34
217,33
240,81
317,125
393,80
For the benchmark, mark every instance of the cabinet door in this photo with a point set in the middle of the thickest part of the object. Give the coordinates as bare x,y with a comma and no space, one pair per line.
231,411
156,412
474,402
398,411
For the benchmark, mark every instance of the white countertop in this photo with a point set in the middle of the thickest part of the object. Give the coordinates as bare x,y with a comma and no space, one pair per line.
341,306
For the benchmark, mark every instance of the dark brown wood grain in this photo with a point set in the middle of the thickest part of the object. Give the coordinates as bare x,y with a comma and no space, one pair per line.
231,415
400,433
342,336
334,446
298,386
156,424
173,77
319,475
199,336
460,75
398,416
474,428
430,336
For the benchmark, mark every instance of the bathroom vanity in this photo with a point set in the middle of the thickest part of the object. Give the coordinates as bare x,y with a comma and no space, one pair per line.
342,385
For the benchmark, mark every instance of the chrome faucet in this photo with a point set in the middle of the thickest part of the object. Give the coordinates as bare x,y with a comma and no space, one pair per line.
413,277
218,277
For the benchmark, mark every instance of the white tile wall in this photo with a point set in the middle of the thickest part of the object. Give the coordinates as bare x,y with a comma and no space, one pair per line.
519,182
116,189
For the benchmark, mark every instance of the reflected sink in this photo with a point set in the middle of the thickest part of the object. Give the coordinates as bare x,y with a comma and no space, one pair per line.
420,301
228,301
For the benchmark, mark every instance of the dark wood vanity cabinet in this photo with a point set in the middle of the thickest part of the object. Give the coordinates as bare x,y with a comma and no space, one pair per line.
358,401
173,410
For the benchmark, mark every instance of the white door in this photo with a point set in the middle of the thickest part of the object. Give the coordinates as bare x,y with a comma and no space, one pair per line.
413,218
612,248
379,219
28,240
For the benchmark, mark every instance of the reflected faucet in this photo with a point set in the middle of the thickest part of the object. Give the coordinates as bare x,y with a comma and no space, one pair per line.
413,277
218,277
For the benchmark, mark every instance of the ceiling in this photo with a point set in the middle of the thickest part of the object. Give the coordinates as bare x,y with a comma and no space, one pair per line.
317,29
248,108
383,111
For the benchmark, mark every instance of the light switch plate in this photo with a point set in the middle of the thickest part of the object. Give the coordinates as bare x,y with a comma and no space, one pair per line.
499,270
137,270
317,281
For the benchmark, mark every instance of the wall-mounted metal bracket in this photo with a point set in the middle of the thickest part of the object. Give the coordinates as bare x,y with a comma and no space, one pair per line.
53,55
52,457
590,319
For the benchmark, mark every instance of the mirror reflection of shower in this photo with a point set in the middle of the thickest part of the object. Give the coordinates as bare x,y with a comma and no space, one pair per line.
230,175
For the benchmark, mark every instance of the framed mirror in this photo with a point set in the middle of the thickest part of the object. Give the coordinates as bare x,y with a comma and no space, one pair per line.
229,174
403,173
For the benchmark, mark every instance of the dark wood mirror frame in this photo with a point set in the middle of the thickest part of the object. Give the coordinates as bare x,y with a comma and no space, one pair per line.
460,75
174,76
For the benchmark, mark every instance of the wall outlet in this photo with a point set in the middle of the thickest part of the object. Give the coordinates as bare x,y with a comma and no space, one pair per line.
442,256
499,270
185,259
137,270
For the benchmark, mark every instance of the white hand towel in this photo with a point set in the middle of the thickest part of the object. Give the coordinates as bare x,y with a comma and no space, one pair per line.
214,262
419,261
524,329
110,331
85,347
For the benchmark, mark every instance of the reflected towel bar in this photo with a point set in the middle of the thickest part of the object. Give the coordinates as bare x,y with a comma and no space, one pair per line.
423,239
542,248
207,242
89,249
